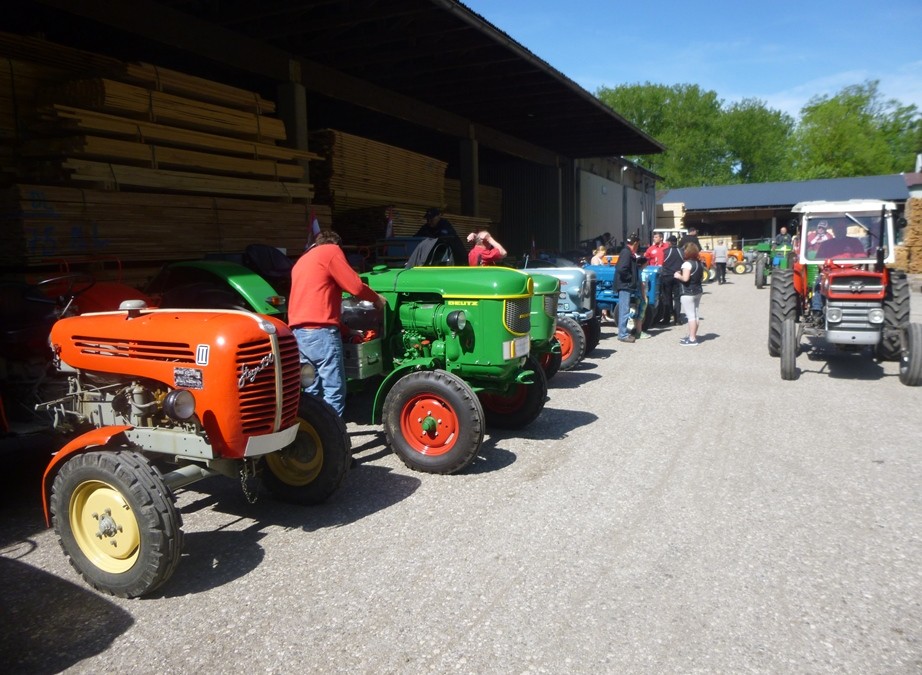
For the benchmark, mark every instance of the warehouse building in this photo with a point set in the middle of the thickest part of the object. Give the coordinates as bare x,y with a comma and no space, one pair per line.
162,130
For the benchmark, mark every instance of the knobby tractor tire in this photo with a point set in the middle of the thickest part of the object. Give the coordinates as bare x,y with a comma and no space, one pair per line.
310,469
652,313
760,271
712,274
782,305
433,421
911,356
789,349
740,268
572,342
896,315
522,406
592,330
550,360
116,521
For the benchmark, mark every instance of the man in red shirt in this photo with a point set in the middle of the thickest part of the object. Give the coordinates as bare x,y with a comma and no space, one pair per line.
318,280
655,251
486,251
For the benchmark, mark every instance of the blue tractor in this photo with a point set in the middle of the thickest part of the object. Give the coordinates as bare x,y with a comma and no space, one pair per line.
607,297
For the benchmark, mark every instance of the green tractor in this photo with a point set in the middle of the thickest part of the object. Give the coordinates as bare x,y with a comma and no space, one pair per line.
545,346
455,354
769,257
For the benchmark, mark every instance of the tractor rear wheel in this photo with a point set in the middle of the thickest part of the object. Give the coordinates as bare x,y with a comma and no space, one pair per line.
789,350
310,469
711,274
572,342
550,360
911,356
896,315
760,271
520,408
116,521
782,305
433,421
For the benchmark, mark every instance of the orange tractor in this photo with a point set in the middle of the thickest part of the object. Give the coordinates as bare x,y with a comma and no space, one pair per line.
142,402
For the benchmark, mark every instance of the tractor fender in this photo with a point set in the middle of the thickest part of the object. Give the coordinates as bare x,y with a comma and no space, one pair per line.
391,379
91,439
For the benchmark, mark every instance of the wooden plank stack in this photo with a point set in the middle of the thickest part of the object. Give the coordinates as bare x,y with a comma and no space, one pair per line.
56,222
490,198
357,173
109,158
909,253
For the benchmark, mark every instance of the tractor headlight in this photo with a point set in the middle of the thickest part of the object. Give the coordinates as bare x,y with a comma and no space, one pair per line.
308,374
456,320
179,405
876,315
833,314
267,326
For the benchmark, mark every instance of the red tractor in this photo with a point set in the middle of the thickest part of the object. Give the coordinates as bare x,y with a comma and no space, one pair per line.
147,401
839,292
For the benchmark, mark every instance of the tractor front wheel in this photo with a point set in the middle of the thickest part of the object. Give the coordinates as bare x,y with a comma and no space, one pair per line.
760,271
572,342
911,356
519,408
433,421
116,521
592,331
310,469
789,350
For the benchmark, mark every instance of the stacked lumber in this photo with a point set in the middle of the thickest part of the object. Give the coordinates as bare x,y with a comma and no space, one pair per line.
909,254
358,172
38,222
106,95
490,198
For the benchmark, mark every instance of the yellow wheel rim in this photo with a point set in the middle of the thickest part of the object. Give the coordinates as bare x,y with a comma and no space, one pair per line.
300,463
104,526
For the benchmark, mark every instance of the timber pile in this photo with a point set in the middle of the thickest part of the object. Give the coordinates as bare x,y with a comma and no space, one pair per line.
491,200
909,253
39,222
357,173
164,151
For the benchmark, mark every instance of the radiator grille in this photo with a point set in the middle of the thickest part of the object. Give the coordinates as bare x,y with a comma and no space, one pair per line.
518,315
550,305
258,394
854,315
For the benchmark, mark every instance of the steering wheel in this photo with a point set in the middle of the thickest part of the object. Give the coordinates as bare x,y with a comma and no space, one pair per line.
70,285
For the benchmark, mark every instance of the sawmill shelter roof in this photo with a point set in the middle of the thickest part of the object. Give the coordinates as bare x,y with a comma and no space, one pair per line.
785,195
437,52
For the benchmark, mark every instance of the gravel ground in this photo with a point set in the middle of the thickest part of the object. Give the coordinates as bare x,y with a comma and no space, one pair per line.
673,510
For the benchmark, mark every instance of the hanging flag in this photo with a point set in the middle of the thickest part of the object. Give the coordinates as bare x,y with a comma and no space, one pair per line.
314,231
389,230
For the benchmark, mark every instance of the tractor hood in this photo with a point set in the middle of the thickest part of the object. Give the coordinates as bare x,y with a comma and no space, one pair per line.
545,284
452,282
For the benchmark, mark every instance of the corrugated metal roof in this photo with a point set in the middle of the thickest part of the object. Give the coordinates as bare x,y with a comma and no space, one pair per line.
781,195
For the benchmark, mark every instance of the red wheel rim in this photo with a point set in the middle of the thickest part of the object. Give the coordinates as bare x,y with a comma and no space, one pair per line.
566,343
429,425
545,360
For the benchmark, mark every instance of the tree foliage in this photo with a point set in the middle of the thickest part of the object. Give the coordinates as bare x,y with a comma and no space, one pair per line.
854,133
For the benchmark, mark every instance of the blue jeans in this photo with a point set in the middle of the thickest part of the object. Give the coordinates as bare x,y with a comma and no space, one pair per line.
624,312
323,347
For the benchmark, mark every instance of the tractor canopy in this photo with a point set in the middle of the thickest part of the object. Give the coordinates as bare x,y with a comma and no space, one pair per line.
851,231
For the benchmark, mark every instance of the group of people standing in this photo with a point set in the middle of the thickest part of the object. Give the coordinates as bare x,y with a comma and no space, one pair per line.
681,277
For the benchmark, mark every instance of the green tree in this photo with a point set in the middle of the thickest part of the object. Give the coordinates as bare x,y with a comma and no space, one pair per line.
855,133
759,140
684,118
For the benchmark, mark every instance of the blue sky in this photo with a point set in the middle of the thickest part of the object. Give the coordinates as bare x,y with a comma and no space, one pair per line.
781,52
